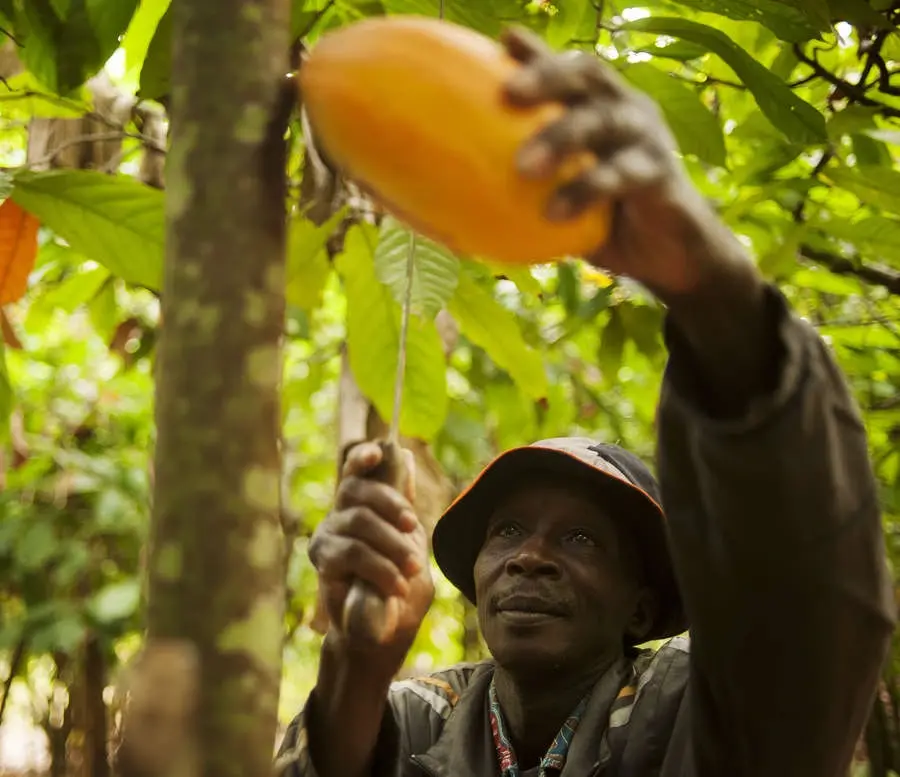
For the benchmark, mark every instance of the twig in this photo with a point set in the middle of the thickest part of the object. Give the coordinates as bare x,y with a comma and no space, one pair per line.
14,662
12,37
853,91
98,137
840,265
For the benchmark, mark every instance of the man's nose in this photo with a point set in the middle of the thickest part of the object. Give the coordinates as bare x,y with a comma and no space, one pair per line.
532,558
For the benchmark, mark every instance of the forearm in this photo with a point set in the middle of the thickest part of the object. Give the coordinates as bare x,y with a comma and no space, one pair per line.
776,536
734,350
347,711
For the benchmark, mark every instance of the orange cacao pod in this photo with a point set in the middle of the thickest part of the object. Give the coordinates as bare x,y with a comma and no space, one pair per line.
412,109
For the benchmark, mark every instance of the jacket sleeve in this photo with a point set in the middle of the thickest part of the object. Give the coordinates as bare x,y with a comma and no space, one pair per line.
776,536
415,714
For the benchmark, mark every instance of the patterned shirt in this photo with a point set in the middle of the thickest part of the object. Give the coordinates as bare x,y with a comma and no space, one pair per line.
555,757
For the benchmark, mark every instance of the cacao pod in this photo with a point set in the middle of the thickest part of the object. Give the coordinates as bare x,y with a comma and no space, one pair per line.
412,110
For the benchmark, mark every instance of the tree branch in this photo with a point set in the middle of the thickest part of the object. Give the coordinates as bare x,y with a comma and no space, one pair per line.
853,91
839,265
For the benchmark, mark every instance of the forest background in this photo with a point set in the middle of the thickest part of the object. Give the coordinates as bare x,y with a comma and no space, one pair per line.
786,114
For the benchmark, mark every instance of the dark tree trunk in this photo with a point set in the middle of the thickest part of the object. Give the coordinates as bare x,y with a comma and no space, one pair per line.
216,560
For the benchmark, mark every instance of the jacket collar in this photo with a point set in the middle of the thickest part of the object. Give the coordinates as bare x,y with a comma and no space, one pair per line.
466,745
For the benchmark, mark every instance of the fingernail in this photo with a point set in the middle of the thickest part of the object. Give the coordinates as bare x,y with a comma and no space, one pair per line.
408,520
535,159
401,585
523,85
412,565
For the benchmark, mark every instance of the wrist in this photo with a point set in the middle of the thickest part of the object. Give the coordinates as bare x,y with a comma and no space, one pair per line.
372,666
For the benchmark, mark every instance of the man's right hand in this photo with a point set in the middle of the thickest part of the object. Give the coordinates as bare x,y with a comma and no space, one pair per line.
373,534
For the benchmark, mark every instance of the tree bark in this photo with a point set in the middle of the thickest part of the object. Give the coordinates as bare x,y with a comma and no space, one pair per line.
216,561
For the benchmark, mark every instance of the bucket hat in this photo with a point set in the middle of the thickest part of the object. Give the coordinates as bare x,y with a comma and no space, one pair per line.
618,477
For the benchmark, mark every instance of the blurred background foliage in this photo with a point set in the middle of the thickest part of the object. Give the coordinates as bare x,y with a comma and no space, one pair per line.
787,117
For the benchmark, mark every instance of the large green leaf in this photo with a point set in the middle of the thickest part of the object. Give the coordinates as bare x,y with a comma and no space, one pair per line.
612,347
112,219
490,326
308,265
140,32
695,128
795,117
62,53
157,70
573,20
784,19
484,15
434,272
373,336
109,20
873,184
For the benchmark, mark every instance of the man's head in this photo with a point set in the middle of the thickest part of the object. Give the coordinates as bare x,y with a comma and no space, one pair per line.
562,547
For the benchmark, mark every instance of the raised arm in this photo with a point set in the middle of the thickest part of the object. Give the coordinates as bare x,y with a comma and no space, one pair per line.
763,461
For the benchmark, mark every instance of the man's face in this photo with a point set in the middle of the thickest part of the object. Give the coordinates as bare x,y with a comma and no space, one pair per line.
553,581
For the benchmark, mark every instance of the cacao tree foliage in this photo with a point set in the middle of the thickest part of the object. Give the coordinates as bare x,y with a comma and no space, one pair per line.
787,113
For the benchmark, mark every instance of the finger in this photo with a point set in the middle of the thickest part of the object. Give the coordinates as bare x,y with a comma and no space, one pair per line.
410,486
360,457
342,559
629,170
383,499
522,44
563,78
602,129
364,525
391,619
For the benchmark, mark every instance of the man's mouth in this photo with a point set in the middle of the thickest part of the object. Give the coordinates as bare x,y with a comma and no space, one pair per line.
522,606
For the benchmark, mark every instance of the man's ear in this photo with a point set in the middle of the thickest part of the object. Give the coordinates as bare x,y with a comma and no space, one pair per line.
643,616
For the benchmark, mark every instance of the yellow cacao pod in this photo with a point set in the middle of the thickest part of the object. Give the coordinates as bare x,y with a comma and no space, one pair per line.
412,109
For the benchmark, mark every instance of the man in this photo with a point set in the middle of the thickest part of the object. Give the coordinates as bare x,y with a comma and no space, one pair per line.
771,530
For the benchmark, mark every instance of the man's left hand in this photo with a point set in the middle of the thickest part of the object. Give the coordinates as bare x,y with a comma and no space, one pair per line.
660,219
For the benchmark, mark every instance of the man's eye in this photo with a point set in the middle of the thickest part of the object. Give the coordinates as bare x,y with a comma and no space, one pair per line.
581,538
507,529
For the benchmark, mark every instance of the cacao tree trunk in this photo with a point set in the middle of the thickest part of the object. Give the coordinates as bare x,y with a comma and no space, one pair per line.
205,690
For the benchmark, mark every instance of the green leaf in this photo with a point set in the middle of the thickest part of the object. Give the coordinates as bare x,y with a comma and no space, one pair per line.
308,266
860,14
876,237
568,287
113,219
874,185
796,118
110,19
680,50
817,11
492,327
6,395
63,53
104,311
643,326
869,151
63,632
612,346
482,15
435,269
565,23
156,74
694,126
783,257
36,546
373,336
141,30
116,602
784,19
61,8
